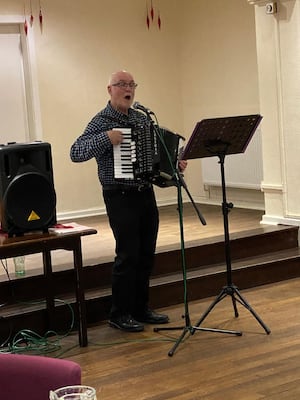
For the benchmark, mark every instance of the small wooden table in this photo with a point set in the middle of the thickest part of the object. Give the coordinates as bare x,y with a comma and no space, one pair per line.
45,243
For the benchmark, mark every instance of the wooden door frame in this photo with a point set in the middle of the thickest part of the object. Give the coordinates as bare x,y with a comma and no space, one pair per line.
30,76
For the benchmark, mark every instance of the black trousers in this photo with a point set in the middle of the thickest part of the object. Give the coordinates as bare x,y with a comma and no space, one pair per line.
133,217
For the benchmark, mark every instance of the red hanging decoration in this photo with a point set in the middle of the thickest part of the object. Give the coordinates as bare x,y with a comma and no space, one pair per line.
147,18
25,21
25,27
152,11
31,14
41,15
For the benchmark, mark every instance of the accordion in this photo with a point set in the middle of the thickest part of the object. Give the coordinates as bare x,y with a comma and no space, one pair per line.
150,156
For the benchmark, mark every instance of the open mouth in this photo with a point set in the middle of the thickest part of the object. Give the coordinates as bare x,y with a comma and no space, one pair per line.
128,97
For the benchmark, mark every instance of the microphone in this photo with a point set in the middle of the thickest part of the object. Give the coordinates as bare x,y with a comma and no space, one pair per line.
139,106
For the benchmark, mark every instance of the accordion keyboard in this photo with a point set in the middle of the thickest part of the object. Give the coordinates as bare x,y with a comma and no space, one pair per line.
124,156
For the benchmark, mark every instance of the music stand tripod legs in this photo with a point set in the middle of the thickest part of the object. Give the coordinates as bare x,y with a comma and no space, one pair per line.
230,289
187,328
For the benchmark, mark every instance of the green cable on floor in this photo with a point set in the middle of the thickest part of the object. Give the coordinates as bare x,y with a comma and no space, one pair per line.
27,341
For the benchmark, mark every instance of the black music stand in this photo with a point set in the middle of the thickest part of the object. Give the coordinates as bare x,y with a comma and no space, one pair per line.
220,137
210,138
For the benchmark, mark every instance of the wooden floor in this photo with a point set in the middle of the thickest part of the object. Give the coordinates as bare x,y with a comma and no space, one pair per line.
102,245
207,365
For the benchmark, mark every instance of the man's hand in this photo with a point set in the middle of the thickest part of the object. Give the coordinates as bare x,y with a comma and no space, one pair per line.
182,164
115,137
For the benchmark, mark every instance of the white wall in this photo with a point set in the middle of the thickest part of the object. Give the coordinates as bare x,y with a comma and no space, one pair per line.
219,69
201,63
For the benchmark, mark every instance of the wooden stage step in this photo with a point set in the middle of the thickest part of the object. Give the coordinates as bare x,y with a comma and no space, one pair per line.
258,256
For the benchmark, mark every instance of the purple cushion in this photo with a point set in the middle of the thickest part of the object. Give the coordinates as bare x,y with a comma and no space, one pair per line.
32,377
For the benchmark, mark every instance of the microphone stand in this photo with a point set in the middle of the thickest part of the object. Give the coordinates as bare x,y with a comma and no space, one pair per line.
183,184
188,328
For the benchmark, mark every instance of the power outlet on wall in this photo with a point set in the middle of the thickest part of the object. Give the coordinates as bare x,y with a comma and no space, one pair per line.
271,8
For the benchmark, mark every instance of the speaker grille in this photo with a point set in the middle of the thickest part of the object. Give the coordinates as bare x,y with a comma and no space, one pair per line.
29,202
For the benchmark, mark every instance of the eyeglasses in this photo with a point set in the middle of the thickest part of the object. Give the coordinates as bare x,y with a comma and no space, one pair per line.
124,85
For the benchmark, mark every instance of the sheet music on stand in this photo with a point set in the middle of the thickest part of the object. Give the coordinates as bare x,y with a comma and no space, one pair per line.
214,136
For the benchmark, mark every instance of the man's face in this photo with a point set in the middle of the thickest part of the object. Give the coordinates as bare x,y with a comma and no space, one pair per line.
122,90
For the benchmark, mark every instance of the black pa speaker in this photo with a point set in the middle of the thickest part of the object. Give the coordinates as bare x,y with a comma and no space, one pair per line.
27,194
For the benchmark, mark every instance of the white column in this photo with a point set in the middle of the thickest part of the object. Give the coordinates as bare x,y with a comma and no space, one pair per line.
278,52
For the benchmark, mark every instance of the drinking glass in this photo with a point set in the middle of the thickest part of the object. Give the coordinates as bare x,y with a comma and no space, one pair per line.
77,392
19,263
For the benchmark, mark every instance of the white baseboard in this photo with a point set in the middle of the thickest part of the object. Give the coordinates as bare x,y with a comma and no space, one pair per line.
73,215
92,212
273,220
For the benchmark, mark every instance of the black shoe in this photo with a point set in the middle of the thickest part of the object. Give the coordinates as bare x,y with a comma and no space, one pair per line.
151,317
126,323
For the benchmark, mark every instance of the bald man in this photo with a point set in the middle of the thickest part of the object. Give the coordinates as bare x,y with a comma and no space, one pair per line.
130,205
